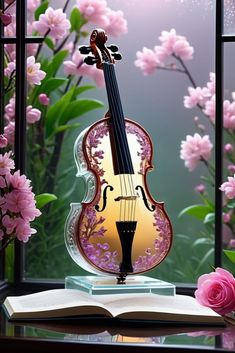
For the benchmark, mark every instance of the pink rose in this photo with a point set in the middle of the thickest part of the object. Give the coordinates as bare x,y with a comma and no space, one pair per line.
217,291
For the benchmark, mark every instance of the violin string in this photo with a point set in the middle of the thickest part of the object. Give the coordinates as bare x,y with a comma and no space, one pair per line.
113,94
127,210
130,178
131,203
112,106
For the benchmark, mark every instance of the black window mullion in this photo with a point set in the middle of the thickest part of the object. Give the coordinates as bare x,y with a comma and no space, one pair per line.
218,132
2,260
20,113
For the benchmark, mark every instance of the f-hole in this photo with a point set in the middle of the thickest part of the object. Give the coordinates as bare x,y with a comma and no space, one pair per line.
150,208
97,207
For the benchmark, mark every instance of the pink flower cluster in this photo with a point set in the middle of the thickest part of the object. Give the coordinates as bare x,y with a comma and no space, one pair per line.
34,74
229,187
32,115
17,202
172,45
98,13
217,291
205,98
76,67
194,149
54,22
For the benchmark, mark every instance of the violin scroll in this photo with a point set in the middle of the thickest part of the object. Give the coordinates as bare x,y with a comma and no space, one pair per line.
97,52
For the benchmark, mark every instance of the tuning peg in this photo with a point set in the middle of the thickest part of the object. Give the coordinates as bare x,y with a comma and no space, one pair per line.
90,60
113,48
117,56
84,49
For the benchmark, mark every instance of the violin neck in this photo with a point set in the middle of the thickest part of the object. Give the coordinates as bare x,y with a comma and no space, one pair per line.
122,162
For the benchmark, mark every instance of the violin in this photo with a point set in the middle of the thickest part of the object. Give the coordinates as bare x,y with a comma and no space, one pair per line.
118,228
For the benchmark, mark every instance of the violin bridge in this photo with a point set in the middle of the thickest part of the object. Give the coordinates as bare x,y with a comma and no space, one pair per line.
119,198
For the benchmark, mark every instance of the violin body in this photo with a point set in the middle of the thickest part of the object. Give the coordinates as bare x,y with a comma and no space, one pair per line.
118,228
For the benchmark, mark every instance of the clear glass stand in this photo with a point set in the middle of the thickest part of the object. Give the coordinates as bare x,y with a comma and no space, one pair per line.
96,285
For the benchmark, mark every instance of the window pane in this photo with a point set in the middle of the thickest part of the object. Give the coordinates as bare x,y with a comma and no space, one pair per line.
229,167
229,16
156,102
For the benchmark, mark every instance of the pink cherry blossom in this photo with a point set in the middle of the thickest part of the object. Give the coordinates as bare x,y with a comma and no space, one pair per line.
147,61
231,168
6,163
31,47
17,181
76,67
32,114
9,132
210,108
17,202
72,67
23,230
32,5
2,182
227,217
13,201
228,148
1,234
98,76
94,11
34,74
217,291
10,69
200,188
196,96
44,99
211,84
10,110
117,24
3,141
229,187
183,50
229,115
232,243
194,149
8,223
54,21
176,44
161,53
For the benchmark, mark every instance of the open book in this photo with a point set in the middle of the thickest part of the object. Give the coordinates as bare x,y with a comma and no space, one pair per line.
66,303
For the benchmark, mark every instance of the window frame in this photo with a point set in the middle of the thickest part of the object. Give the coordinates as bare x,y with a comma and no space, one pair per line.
21,40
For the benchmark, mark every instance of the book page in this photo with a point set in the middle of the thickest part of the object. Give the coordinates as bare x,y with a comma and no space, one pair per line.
50,301
167,306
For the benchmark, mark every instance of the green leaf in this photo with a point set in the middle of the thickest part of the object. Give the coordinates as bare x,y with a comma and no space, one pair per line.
76,20
202,241
231,205
230,254
52,84
56,62
41,9
55,111
78,108
197,211
43,199
82,89
210,218
49,42
205,258
66,127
